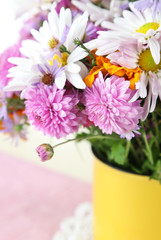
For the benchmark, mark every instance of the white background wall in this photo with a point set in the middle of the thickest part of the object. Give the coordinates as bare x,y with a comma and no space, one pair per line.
74,159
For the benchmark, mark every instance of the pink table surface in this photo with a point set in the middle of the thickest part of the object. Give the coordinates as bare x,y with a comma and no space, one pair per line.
34,200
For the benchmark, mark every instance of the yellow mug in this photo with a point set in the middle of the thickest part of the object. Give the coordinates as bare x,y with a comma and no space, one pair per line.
126,206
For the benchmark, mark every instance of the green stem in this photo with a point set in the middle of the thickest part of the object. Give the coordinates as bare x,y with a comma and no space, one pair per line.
156,130
128,144
87,138
149,152
134,152
140,145
79,43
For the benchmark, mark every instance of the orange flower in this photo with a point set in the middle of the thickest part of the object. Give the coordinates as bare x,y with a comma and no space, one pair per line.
104,65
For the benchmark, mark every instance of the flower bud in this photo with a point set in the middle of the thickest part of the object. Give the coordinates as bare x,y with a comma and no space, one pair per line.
45,151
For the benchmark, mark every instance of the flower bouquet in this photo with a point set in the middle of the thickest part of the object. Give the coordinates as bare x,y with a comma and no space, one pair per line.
92,66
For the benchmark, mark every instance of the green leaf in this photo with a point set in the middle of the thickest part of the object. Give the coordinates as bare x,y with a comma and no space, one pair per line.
157,172
118,153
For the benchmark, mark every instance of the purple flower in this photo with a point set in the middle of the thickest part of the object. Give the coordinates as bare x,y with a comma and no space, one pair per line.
45,152
108,105
51,110
91,32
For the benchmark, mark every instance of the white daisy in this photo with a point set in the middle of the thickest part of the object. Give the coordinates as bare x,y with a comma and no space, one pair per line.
53,32
134,26
149,84
59,29
28,73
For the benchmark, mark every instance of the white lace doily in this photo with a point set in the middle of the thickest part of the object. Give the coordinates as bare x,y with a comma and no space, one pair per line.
77,227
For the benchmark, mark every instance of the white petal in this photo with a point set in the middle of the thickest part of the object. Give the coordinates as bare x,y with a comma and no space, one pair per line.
72,67
91,45
45,31
76,80
37,35
155,49
84,70
19,61
146,106
76,31
68,17
77,55
15,86
65,19
60,80
142,85
54,23
108,48
153,104
31,48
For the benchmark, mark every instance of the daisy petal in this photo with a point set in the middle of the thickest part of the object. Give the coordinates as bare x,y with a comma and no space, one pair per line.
77,55
15,86
74,68
76,80
155,49
84,69
54,22
76,31
60,80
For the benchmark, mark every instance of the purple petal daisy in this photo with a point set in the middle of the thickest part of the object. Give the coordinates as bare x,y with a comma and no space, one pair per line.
51,110
52,73
108,105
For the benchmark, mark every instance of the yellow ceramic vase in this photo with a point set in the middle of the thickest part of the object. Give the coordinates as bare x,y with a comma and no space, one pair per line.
126,206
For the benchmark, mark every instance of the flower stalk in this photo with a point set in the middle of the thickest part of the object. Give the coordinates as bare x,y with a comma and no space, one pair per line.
87,138
148,149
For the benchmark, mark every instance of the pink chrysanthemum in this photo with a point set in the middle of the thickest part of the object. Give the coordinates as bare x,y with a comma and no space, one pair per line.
108,105
51,110
12,51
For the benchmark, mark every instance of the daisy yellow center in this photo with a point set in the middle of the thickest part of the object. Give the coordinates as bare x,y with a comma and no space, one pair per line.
147,26
48,79
61,60
146,62
53,43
